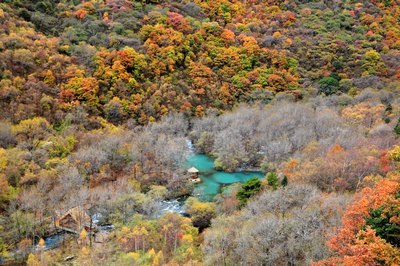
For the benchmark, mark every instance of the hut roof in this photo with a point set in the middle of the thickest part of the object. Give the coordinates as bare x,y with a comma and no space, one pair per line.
78,214
193,170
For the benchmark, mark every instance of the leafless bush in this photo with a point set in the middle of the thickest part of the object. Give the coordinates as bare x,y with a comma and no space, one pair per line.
282,227
250,135
7,139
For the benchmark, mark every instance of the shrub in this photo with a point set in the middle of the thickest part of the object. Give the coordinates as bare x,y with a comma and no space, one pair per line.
328,85
249,188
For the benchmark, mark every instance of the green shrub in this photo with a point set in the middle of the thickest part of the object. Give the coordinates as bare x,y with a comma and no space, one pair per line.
328,85
249,188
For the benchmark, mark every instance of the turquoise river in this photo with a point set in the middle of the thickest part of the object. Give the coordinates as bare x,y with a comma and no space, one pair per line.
213,180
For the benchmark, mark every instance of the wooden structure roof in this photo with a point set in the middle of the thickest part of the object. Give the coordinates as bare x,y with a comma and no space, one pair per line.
74,220
193,170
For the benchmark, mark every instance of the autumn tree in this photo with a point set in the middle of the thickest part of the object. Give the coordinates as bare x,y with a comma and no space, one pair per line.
32,260
32,131
370,227
201,212
372,63
7,138
368,113
81,90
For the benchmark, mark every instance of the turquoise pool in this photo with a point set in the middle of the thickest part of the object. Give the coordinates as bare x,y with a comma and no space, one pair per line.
213,180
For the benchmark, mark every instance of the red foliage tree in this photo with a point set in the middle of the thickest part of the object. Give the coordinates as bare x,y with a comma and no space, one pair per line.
356,243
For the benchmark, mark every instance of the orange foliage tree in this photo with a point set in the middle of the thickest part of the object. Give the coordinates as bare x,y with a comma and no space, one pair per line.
363,238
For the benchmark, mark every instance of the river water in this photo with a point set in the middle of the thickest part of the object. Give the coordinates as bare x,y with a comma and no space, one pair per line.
211,183
212,180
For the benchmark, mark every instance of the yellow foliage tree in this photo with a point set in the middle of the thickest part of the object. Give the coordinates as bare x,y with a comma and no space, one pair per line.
32,131
82,236
158,259
366,113
41,243
32,260
277,35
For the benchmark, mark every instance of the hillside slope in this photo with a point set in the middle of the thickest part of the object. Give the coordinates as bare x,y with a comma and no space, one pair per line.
124,59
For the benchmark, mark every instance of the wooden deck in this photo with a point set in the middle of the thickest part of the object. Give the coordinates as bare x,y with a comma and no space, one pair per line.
69,230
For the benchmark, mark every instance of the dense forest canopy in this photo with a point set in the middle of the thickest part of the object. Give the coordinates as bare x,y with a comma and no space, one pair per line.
122,59
101,102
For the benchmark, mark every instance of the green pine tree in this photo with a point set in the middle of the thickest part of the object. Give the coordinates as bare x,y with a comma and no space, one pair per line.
284,181
249,188
272,179
397,127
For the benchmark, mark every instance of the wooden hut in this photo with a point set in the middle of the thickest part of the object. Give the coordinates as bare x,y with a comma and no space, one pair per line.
74,220
194,175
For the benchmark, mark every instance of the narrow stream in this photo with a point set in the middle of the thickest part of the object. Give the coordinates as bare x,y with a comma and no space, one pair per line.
211,184
174,205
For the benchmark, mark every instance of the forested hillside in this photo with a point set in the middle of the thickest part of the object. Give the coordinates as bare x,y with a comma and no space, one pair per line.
125,59
106,104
